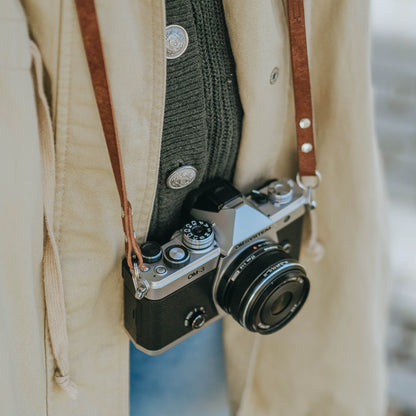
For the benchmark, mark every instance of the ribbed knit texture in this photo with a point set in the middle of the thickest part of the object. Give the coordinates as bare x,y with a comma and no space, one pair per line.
203,113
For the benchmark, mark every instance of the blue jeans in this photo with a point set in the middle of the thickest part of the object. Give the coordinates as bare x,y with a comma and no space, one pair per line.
187,380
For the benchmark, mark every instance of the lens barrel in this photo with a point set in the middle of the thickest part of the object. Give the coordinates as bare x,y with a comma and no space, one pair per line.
263,289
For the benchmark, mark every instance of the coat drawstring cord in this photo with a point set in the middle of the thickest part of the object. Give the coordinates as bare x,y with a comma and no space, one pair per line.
52,274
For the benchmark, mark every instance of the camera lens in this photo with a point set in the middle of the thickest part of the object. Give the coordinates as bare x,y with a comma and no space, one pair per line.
263,288
281,303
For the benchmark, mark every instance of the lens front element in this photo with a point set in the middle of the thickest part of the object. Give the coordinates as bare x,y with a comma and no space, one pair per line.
280,303
263,289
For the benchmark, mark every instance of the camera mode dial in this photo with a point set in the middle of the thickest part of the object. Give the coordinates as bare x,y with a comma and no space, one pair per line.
198,235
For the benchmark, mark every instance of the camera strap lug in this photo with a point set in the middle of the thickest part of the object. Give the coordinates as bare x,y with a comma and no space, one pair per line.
308,184
141,286
310,201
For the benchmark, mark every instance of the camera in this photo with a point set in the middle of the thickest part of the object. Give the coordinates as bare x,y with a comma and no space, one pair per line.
236,255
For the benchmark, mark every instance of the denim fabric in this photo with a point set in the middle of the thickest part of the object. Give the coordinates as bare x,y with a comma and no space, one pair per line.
187,380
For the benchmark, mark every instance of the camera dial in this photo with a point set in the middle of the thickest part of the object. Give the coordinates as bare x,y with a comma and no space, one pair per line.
198,235
176,256
263,288
280,192
196,318
151,252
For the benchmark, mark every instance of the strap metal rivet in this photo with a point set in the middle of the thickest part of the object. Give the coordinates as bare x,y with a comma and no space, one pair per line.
274,75
305,123
306,147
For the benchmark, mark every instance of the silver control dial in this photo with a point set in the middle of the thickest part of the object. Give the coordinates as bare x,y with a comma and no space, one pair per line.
198,235
281,192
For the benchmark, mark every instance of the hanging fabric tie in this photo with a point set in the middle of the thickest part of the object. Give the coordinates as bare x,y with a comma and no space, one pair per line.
52,274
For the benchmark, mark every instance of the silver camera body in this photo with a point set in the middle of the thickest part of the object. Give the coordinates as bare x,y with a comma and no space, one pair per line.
237,255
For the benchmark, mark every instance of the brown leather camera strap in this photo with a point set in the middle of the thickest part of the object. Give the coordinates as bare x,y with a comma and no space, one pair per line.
302,90
90,31
303,105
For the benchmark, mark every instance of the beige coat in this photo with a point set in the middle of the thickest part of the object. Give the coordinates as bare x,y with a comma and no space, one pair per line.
329,360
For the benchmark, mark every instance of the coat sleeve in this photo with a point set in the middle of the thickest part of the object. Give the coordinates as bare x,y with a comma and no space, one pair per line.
22,347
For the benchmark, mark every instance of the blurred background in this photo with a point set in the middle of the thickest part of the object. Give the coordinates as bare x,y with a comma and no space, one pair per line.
394,80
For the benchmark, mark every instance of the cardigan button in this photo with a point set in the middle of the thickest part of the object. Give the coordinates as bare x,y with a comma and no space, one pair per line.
181,177
176,41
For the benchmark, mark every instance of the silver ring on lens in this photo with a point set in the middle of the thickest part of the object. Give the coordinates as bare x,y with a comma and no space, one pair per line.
197,235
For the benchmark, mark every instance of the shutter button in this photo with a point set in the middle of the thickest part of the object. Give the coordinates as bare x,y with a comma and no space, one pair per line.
176,41
177,253
181,177
176,256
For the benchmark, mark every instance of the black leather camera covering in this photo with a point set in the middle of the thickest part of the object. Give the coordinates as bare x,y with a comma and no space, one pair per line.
154,324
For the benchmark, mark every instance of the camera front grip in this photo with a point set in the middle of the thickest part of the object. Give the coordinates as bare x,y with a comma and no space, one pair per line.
156,325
